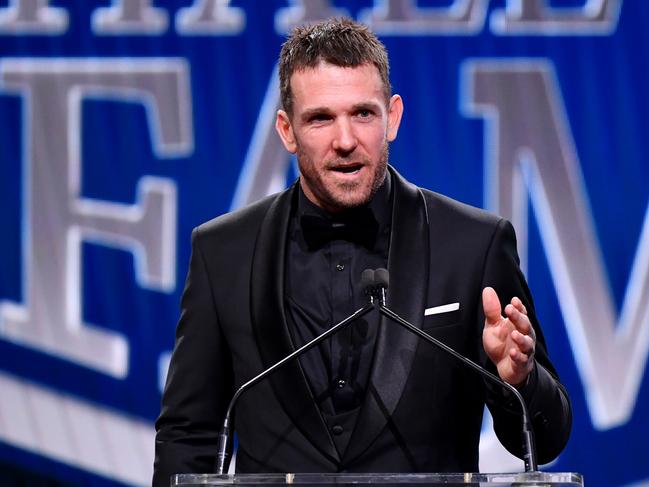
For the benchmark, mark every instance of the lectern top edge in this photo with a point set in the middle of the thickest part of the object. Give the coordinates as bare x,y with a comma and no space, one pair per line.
531,479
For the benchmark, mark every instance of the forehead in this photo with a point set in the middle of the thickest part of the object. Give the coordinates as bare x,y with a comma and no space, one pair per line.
327,85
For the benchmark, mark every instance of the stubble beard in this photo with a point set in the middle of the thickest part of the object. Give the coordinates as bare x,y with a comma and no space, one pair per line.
343,196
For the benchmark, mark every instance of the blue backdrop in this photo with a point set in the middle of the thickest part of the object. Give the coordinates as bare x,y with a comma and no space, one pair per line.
125,124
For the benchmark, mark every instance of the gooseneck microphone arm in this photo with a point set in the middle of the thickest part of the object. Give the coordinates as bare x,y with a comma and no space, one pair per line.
377,291
224,435
529,456
376,283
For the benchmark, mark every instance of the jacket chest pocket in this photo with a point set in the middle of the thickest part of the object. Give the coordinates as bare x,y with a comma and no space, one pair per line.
444,315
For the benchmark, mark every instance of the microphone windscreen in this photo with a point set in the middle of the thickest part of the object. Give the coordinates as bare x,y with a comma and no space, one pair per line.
382,278
367,278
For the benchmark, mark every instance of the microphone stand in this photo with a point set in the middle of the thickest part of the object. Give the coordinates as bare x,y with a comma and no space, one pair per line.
376,284
378,295
224,435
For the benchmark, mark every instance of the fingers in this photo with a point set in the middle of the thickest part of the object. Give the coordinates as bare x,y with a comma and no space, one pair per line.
517,314
523,336
515,333
518,304
491,306
509,341
525,343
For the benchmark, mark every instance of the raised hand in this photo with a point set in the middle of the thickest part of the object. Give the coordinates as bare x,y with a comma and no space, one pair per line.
509,340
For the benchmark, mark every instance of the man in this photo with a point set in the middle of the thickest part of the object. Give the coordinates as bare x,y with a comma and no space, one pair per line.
266,279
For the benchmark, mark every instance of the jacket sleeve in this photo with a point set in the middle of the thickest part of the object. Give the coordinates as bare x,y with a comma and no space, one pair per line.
199,382
545,396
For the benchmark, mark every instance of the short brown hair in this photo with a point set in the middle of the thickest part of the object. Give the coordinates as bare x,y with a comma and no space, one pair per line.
338,41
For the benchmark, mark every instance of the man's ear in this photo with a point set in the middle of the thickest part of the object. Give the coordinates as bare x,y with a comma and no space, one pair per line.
285,131
395,110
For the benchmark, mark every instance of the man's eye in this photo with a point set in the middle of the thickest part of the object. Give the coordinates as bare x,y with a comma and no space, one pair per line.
320,117
364,113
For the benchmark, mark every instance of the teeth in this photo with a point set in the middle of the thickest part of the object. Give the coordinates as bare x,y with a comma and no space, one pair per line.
348,169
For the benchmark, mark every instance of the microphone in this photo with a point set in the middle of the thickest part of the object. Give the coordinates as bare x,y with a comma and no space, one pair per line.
368,280
224,435
375,283
377,289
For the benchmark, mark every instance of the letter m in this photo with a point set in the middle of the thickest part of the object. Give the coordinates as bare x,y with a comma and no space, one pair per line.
529,150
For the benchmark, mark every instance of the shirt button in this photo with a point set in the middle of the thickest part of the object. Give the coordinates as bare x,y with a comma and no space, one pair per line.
340,267
337,429
341,383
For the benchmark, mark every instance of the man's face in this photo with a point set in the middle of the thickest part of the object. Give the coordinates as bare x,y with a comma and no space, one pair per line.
340,128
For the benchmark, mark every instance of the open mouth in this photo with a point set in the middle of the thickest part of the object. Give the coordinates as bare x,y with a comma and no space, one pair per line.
348,168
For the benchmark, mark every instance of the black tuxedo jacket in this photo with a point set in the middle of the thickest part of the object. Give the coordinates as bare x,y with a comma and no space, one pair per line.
422,411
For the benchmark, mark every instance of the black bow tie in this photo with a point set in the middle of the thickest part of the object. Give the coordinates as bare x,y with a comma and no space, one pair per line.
357,226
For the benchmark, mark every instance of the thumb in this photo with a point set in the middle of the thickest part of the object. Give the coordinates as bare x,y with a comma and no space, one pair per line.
491,306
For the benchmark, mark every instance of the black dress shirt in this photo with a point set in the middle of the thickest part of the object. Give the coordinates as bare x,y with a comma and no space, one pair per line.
323,286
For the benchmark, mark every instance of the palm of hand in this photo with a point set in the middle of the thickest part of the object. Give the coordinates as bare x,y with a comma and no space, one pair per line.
508,341
497,343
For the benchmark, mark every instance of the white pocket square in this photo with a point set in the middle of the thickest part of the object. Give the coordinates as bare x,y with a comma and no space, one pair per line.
445,308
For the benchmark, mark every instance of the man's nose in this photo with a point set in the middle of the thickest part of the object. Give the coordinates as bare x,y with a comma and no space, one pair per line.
345,140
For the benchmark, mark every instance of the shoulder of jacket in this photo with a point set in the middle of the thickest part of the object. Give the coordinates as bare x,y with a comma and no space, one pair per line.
243,220
443,207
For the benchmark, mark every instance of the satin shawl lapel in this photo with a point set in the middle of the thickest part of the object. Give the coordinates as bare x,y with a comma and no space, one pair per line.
408,263
271,332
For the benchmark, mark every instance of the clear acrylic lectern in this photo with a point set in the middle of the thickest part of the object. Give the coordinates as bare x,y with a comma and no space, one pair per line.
528,479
